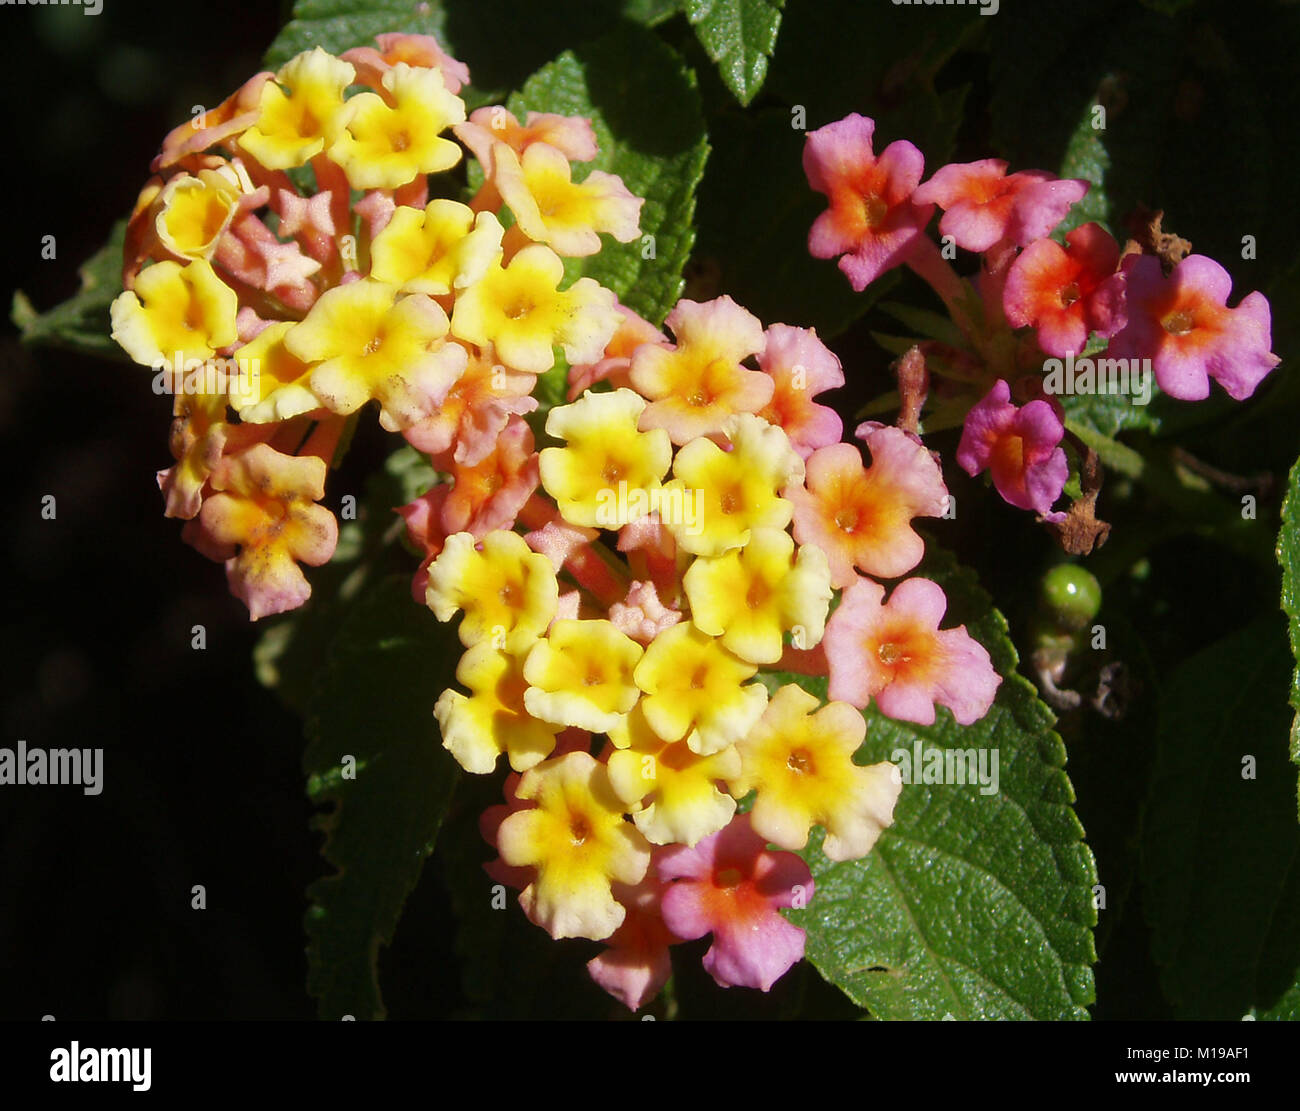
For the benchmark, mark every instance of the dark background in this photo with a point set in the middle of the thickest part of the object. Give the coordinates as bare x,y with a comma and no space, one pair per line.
203,783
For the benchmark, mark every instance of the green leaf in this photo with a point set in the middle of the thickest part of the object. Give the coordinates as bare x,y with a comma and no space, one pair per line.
1108,414
650,12
926,323
1221,850
1286,1009
81,322
659,154
339,25
1086,157
1288,554
1118,457
971,905
739,35
374,702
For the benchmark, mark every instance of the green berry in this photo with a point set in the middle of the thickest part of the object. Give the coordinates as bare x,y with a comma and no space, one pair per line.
1071,595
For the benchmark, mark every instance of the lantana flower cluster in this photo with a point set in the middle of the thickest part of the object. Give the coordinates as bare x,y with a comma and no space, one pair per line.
286,266
633,592
695,528
1035,297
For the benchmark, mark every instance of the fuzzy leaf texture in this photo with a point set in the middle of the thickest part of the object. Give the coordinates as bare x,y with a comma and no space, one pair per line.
659,155
339,25
1221,850
372,702
1288,554
739,36
970,906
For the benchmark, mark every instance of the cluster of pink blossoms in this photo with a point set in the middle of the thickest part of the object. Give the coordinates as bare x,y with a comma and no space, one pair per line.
1033,299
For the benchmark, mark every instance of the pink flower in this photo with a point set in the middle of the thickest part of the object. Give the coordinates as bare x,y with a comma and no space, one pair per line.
730,885
984,206
1183,325
862,516
490,494
643,616
874,219
694,385
896,653
1067,292
473,415
414,50
802,367
1020,446
636,963
572,136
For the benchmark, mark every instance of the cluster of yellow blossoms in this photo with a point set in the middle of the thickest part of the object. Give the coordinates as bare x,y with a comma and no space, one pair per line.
688,530
286,266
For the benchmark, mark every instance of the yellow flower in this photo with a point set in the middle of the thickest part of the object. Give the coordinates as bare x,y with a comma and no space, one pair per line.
194,212
492,719
434,250
551,208
577,840
676,789
276,382
696,384
693,689
508,592
801,765
605,474
737,490
384,147
519,310
175,311
293,127
369,347
750,596
580,674
198,442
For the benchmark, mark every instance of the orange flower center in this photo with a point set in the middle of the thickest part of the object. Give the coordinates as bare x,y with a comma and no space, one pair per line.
579,829
1009,455
728,877
891,653
874,211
